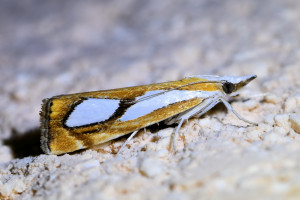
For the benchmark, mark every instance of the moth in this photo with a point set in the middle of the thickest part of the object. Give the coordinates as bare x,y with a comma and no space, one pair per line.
77,121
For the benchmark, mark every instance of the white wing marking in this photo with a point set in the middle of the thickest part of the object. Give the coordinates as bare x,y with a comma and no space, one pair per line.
147,106
92,111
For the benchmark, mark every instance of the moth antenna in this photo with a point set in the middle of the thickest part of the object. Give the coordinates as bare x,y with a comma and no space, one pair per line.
154,95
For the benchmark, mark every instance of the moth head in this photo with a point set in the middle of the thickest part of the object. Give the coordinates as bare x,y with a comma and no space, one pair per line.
231,84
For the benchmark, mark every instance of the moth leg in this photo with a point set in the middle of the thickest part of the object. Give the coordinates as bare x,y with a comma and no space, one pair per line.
198,110
228,106
207,107
175,134
126,142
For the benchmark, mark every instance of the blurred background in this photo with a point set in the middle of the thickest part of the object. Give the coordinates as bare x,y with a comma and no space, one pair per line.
55,47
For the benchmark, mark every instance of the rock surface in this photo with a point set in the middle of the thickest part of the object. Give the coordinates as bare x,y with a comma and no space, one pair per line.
55,47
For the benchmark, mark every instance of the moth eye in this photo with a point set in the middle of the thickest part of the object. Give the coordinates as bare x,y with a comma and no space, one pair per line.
228,87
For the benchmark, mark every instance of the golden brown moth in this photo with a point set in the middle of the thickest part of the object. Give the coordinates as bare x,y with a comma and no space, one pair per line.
76,121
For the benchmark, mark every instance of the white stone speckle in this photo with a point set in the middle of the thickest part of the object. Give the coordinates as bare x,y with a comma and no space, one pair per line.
295,122
151,167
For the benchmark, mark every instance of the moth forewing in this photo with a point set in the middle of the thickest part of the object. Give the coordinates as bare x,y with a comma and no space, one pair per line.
76,121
